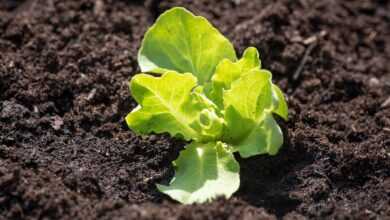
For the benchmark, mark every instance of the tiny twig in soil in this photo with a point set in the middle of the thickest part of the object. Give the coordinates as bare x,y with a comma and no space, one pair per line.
298,72
99,7
386,103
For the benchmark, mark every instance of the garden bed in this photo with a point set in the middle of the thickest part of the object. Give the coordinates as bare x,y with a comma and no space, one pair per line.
66,152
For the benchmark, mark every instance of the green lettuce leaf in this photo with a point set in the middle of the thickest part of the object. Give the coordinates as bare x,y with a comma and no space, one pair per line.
168,104
265,138
250,127
228,71
203,172
280,105
183,42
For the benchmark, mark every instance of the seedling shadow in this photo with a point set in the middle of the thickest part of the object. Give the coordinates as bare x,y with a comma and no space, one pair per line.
267,181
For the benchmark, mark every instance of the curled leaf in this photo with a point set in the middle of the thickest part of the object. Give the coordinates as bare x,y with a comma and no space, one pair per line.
228,71
250,127
203,172
280,105
168,104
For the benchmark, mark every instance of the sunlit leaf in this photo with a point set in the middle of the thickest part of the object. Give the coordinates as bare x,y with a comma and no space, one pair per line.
168,104
203,172
228,71
183,42
280,106
250,127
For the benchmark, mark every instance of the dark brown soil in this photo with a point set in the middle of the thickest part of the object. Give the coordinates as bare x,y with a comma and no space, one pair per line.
66,153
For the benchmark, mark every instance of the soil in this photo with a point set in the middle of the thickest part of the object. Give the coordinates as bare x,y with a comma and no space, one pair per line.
66,152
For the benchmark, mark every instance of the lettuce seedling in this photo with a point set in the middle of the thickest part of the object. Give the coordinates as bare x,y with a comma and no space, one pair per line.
204,94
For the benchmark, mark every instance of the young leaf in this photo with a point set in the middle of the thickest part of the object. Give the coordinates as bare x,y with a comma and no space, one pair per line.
266,137
228,71
167,104
250,127
280,106
203,172
183,42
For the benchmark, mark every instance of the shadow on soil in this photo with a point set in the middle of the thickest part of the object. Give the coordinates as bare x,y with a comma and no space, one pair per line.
268,181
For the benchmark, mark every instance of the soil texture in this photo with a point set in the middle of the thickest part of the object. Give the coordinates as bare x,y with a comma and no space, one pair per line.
66,152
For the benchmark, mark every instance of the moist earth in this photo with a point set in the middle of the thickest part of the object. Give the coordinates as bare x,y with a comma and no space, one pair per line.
66,152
